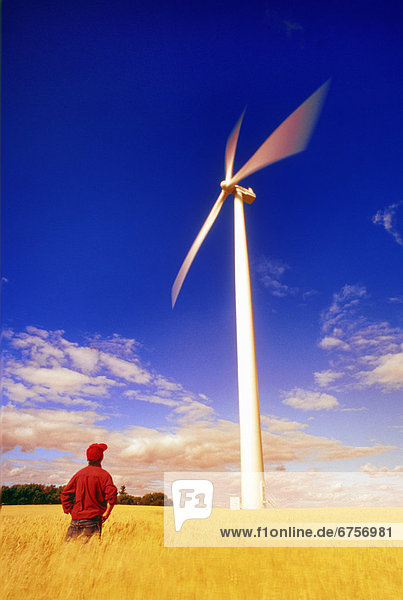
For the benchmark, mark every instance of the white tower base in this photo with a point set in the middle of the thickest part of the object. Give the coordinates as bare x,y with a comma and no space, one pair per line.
252,469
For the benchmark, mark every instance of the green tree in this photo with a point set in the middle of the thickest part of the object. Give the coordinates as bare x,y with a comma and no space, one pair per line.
153,499
31,493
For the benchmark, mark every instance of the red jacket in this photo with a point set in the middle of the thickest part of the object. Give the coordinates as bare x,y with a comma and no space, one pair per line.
86,494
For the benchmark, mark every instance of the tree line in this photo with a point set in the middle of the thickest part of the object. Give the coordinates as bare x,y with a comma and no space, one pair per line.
150,499
37,493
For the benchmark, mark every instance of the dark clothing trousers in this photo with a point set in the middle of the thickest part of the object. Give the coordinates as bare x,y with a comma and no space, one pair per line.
84,529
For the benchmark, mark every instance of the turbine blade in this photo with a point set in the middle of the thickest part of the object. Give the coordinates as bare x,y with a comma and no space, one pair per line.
196,245
231,147
291,137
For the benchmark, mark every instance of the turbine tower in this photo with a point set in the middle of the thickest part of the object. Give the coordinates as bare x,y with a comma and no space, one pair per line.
289,138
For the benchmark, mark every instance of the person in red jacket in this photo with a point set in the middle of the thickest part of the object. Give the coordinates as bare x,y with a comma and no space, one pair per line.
89,496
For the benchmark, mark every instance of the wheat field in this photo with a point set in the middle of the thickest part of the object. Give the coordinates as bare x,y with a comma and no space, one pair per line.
131,562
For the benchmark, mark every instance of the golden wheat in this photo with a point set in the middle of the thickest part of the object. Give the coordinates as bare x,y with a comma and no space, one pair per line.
131,563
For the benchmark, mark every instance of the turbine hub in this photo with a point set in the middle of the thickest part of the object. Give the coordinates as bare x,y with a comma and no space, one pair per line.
227,186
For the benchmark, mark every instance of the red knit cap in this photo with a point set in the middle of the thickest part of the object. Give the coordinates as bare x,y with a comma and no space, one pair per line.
96,451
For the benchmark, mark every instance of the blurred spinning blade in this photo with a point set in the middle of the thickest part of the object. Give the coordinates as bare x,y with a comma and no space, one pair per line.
291,137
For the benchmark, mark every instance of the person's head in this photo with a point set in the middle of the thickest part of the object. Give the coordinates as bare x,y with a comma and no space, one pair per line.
95,453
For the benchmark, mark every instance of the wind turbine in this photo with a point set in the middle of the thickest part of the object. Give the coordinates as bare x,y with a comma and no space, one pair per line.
289,138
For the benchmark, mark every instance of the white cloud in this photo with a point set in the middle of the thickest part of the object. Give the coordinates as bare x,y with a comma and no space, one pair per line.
46,367
270,272
84,359
323,378
330,343
37,350
116,345
202,444
30,395
309,294
62,380
18,391
37,331
43,366
129,370
370,468
275,425
165,384
61,429
151,398
388,373
187,407
339,452
307,400
192,411
387,217
364,351
343,304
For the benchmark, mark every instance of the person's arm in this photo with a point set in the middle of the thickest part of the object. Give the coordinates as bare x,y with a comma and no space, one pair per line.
111,494
68,495
109,508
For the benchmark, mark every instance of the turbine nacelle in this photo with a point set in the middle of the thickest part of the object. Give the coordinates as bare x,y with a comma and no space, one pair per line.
248,195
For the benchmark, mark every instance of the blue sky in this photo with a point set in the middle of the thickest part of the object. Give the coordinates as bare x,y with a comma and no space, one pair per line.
115,119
